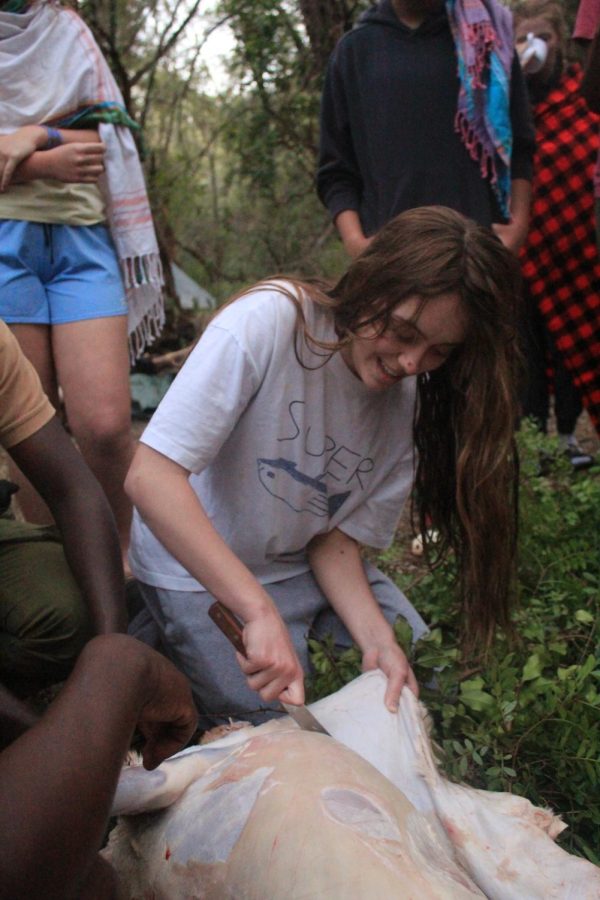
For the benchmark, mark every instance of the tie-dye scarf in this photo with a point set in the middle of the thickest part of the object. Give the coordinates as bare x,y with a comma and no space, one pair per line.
110,112
14,6
483,35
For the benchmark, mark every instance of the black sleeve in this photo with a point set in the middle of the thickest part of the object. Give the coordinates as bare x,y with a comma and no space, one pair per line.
339,184
522,125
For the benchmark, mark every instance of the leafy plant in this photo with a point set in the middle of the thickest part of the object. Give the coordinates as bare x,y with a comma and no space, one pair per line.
525,719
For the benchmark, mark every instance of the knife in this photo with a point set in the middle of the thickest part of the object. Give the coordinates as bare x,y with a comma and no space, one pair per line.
231,627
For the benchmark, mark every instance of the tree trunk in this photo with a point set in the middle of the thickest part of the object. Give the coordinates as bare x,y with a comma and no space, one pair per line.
325,22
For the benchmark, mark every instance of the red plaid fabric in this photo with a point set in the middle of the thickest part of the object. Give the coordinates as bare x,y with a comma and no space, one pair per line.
560,261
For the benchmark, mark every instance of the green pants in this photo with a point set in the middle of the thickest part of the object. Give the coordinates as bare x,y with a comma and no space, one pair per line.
43,619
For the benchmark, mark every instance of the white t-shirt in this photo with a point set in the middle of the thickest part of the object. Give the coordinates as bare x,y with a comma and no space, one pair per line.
279,453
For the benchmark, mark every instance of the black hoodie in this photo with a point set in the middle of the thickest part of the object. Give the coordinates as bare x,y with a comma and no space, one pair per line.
388,138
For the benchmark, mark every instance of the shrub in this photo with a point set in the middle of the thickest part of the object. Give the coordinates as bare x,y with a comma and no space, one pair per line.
527,718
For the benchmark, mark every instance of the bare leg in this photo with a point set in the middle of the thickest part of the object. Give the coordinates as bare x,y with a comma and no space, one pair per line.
92,367
35,343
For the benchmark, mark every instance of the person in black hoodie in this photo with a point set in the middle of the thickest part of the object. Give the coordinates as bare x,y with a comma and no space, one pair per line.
408,100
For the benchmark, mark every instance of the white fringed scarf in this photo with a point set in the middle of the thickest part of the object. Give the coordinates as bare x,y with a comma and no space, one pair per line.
51,66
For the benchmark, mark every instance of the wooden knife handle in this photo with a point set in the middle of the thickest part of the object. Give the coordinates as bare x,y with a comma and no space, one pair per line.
229,624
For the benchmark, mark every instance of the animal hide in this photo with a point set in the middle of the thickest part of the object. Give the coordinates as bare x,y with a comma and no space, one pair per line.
275,813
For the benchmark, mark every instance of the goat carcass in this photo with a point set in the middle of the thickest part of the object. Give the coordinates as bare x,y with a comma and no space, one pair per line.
275,813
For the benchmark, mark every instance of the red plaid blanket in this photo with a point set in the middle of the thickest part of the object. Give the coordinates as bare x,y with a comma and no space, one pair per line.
560,261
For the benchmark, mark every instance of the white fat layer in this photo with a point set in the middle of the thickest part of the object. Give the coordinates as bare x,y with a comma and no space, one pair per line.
357,811
227,808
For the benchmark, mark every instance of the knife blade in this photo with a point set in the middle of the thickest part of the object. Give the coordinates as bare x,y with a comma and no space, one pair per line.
232,628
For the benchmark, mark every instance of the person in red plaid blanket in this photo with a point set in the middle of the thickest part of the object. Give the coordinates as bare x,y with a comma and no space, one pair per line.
560,261
586,33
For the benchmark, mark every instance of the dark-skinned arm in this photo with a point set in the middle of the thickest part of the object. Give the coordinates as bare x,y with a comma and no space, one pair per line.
57,781
15,718
81,511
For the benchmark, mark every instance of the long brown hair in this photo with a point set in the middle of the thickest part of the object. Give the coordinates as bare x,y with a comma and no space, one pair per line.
466,467
466,464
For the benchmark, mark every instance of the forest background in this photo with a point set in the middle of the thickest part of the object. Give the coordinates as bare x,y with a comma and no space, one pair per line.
231,178
230,172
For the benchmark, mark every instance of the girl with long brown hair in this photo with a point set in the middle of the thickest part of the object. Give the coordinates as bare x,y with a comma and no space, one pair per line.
294,434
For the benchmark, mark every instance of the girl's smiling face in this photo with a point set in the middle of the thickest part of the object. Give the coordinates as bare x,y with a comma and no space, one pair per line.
420,337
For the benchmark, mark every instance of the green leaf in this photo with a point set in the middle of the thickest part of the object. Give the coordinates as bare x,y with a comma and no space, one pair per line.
532,668
477,700
587,668
472,684
404,634
564,673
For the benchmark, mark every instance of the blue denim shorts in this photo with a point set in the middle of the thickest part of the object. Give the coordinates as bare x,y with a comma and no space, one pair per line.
52,274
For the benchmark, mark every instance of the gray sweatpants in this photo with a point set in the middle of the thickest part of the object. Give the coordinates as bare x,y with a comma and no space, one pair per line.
197,647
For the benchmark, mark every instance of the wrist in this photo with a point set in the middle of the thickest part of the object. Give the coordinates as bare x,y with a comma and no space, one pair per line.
38,135
53,138
249,600
15,718
127,659
108,617
378,637
259,608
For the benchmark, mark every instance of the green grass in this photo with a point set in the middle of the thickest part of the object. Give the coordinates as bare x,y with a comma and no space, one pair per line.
527,718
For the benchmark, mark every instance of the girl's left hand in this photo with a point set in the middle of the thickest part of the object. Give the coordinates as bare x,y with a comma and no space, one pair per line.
392,661
16,147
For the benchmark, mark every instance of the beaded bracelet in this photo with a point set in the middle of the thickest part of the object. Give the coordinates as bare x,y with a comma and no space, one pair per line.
54,138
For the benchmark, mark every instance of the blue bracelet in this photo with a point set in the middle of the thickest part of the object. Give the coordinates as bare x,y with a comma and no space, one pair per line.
54,138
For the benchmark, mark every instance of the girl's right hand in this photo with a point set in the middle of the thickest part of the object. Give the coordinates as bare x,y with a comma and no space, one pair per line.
81,163
17,146
271,665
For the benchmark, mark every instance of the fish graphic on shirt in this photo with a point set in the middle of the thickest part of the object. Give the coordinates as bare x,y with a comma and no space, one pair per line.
282,479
